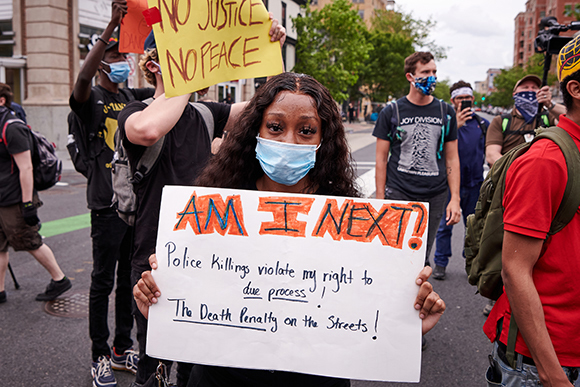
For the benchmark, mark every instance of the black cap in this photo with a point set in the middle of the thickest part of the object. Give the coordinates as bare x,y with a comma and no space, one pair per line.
149,42
113,42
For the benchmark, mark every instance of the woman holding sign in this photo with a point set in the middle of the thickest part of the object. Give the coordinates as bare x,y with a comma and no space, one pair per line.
289,138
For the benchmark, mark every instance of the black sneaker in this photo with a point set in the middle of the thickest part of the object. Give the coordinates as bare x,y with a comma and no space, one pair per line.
439,273
2,296
54,289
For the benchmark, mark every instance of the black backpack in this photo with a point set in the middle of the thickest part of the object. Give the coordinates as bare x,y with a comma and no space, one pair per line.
123,179
47,168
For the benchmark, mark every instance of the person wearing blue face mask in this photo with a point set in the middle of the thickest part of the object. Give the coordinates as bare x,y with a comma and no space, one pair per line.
420,134
97,108
511,129
289,138
186,149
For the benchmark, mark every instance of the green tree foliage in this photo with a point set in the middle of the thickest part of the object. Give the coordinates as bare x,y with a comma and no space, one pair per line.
331,46
507,79
442,90
383,73
572,10
398,22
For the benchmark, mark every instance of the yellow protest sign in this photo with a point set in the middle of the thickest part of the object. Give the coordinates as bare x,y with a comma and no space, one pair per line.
204,42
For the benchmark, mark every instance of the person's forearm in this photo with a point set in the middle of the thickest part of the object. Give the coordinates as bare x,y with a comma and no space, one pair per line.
380,180
82,86
527,308
26,185
148,126
491,157
453,178
452,165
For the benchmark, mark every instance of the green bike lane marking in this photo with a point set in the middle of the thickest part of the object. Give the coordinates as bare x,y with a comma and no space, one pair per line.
62,226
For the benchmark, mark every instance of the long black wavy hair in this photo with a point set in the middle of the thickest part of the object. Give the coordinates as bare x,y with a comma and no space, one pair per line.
236,166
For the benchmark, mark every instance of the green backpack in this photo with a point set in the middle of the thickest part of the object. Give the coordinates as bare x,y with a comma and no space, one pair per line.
484,228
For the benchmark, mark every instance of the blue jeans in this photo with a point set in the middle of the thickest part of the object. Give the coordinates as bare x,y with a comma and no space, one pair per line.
468,200
112,240
523,375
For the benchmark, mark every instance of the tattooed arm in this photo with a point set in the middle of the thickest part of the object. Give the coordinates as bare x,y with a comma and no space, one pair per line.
453,211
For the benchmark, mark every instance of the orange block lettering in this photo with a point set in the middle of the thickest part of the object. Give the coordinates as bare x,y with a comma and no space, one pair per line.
210,213
285,211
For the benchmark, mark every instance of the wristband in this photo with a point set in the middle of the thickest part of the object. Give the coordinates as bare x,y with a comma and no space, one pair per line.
552,106
103,40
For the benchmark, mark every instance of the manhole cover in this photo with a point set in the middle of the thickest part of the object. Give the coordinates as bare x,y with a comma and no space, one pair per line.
76,306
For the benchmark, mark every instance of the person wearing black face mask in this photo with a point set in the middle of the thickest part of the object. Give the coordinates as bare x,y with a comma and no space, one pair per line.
97,108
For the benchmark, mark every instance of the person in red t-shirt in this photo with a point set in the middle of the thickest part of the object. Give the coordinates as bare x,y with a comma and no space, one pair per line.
538,272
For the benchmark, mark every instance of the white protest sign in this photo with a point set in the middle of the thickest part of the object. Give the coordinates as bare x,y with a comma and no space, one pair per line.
304,283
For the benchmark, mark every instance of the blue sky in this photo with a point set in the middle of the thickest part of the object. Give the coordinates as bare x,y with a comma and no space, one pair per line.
479,34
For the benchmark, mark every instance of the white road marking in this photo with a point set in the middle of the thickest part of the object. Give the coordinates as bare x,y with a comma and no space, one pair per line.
366,182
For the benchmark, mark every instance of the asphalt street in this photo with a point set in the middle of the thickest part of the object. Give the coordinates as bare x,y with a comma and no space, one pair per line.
47,344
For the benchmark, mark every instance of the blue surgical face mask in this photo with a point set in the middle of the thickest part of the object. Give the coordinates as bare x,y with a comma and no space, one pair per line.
527,104
285,163
119,71
426,85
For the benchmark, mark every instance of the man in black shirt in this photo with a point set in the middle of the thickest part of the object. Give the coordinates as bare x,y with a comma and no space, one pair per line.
98,108
19,202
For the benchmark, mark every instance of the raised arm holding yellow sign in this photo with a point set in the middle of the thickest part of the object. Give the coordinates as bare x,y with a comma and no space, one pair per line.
204,42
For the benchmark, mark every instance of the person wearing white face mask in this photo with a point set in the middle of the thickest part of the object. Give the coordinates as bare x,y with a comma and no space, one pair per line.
97,108
289,138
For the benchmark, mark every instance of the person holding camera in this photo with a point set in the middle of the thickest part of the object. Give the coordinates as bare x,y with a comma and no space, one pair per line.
471,130
509,130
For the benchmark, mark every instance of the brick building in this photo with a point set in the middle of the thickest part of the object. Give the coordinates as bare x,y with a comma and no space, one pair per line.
526,25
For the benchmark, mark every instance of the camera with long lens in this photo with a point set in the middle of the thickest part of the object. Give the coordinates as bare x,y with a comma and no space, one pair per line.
548,41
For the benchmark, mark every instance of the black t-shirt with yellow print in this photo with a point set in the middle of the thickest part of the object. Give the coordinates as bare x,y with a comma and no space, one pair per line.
99,116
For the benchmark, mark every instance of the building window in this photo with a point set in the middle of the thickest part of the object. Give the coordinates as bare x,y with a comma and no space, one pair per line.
521,56
284,14
529,47
361,13
87,38
314,2
6,38
542,14
521,44
358,1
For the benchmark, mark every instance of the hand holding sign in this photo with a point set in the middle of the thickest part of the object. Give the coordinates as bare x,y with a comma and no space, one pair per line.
216,43
331,278
118,11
